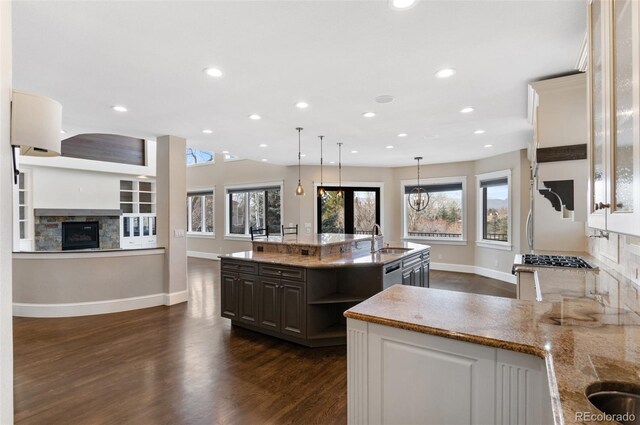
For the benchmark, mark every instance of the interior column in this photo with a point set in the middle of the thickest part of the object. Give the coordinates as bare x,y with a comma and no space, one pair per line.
171,195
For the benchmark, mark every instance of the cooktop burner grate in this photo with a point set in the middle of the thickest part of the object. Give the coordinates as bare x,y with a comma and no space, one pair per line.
555,261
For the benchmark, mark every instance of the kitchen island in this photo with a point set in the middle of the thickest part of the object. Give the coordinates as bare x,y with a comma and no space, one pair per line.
297,288
511,361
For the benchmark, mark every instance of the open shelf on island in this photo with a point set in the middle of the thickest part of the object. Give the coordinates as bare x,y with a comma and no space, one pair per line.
338,298
337,330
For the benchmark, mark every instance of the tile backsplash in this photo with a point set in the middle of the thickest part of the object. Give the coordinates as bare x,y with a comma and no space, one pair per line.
620,253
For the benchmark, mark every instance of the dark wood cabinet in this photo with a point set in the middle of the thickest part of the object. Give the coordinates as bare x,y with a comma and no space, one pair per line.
268,303
229,291
293,308
415,271
248,298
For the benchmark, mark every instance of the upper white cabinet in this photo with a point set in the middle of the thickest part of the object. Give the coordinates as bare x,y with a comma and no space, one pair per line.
614,99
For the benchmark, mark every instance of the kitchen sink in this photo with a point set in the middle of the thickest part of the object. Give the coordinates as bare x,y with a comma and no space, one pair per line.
393,250
619,399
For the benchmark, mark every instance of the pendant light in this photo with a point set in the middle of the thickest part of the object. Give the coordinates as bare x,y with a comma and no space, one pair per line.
418,197
321,191
299,188
340,191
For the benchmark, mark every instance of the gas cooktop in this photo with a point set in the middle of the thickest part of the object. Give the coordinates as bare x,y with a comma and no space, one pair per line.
564,261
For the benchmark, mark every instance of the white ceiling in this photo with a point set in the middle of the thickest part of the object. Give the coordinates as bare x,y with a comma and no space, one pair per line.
335,55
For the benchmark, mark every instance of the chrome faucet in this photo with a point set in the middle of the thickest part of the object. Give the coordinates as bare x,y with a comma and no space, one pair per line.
373,236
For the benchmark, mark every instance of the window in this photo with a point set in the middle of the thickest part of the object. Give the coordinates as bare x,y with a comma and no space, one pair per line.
200,212
494,210
197,156
443,218
253,206
353,213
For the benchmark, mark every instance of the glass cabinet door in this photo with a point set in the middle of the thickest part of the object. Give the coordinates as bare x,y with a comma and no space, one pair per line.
596,85
622,107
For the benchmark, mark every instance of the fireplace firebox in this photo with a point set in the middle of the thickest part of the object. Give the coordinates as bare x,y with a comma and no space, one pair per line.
80,235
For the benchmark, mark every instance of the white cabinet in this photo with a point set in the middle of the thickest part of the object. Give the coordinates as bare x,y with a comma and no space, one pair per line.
138,231
614,100
397,376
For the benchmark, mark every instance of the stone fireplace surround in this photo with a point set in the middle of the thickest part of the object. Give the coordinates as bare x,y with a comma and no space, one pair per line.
48,226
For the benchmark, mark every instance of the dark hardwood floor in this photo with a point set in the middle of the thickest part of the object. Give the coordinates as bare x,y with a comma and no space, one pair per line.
181,365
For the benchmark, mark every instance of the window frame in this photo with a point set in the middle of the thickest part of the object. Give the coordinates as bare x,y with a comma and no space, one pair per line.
488,243
201,192
436,181
199,164
227,206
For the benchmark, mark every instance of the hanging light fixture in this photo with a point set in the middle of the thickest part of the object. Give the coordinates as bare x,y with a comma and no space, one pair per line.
299,188
321,191
418,198
340,191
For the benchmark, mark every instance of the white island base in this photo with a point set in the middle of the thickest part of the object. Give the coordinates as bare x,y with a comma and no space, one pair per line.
397,376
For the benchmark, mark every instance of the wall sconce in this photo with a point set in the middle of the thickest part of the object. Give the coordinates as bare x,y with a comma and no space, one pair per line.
36,122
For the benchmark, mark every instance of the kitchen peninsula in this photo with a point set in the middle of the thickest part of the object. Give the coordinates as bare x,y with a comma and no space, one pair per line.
296,287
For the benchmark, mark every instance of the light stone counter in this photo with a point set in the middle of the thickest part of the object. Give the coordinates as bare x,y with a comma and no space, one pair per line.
586,328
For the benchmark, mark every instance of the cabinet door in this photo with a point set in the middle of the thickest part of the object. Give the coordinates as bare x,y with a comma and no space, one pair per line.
229,295
425,274
406,276
415,378
417,275
268,303
248,298
624,214
293,309
597,117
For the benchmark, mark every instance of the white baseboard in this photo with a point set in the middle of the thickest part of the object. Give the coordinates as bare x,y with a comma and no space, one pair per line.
88,308
176,297
199,254
482,271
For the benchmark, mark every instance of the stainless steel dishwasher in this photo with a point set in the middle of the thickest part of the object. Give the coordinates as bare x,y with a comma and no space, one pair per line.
392,274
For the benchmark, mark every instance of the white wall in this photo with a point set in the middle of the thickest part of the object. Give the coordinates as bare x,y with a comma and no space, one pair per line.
6,225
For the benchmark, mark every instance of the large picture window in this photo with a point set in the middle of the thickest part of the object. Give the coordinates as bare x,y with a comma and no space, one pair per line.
200,212
494,209
355,211
444,214
256,206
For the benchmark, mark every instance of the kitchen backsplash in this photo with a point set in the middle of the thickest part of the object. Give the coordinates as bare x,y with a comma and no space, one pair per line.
620,253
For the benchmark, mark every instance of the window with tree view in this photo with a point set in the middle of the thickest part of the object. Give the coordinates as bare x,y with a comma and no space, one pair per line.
494,195
200,212
199,156
353,211
254,207
442,217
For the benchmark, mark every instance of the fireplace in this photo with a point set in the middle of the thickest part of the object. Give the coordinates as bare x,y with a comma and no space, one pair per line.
80,235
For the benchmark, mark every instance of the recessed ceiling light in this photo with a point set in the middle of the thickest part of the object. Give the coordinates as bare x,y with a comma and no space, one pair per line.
225,151
142,177
332,162
63,132
402,4
479,132
119,108
263,145
302,105
389,146
303,155
255,116
369,114
213,72
402,135
488,146
445,73
354,151
467,110
264,160
207,131
385,98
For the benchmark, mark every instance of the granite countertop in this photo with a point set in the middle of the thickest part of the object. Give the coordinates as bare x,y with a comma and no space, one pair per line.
341,260
320,239
586,327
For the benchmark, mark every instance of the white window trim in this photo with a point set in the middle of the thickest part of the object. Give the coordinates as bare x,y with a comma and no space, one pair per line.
480,241
227,224
190,233
436,180
316,185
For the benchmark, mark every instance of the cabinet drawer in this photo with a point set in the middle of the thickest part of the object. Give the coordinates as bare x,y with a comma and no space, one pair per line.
239,266
411,261
284,272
